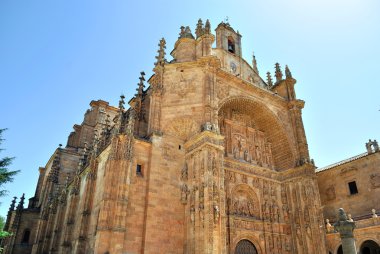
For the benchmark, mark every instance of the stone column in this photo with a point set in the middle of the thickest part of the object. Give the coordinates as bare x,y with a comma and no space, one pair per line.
346,229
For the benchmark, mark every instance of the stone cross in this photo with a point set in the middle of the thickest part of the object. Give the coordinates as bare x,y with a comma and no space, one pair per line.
346,229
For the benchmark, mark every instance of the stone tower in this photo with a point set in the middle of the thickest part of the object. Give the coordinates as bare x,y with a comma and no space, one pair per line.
209,158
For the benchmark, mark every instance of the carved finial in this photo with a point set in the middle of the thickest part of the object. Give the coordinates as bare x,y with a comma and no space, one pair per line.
185,33
13,204
208,27
269,80
278,72
140,89
182,32
20,205
161,53
199,31
121,103
288,74
375,146
254,63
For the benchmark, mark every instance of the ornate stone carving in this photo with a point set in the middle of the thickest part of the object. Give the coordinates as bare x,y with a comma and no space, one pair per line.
245,143
244,202
184,173
184,193
183,128
182,86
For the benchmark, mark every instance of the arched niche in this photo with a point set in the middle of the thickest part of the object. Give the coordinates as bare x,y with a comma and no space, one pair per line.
254,134
244,202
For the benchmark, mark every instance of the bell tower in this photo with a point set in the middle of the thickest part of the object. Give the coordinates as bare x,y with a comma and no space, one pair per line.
228,39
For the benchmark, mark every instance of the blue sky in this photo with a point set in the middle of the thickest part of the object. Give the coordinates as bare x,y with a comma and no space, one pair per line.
57,56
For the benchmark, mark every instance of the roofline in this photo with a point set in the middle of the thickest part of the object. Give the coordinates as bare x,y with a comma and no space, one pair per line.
356,157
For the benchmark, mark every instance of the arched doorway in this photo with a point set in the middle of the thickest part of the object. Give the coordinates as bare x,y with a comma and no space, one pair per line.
245,247
369,247
340,250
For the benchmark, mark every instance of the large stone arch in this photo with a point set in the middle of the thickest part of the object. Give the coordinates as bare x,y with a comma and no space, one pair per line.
368,246
244,202
257,115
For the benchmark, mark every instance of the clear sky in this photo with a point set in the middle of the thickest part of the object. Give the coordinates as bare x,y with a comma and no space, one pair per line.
57,56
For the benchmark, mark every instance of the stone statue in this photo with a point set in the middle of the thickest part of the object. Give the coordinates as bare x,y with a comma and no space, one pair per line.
375,145
216,213
184,193
346,232
329,227
374,215
184,173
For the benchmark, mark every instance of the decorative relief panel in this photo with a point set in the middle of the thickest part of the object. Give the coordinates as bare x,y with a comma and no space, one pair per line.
183,85
244,142
183,128
244,202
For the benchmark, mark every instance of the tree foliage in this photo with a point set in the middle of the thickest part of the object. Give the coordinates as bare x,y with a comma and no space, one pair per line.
6,175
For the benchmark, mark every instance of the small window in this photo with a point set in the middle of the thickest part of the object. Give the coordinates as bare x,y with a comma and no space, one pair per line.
353,188
25,238
231,45
139,170
179,147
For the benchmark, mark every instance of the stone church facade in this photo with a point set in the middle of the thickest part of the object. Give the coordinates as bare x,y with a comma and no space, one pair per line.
209,158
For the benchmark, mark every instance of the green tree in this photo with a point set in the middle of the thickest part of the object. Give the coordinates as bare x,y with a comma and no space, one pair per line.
6,175
3,234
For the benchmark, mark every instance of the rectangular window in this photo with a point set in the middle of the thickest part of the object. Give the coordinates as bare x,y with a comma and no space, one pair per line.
138,170
353,188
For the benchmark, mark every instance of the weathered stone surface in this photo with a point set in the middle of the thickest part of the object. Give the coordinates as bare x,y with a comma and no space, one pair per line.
208,159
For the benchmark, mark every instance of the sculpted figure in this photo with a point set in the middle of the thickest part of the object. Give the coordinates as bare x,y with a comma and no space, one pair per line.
216,213
374,215
184,193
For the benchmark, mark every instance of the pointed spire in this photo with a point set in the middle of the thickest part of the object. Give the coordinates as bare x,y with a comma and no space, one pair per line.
288,74
13,204
207,27
254,63
119,125
121,103
161,53
11,209
278,72
20,205
141,85
199,31
269,80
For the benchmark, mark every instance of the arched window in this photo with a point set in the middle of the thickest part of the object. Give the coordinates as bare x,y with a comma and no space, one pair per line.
231,45
25,237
